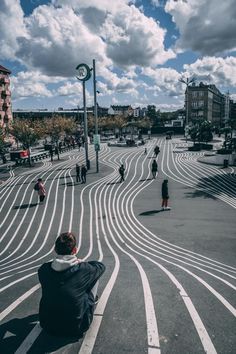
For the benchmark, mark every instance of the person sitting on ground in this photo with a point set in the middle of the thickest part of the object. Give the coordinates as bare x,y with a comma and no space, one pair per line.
69,290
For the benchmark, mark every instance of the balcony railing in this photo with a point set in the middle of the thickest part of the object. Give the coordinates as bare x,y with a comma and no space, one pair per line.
6,92
4,80
7,117
6,104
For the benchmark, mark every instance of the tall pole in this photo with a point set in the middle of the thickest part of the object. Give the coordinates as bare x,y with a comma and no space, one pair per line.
85,129
186,124
95,109
187,82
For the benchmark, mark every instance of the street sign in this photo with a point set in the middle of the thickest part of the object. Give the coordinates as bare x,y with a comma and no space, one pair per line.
96,142
96,147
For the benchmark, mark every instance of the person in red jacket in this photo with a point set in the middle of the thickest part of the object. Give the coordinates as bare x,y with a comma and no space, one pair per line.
69,290
40,188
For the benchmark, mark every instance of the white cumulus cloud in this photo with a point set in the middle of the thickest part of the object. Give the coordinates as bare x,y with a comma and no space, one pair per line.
207,27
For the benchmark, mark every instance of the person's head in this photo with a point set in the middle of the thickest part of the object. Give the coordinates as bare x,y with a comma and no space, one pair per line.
165,181
66,244
40,180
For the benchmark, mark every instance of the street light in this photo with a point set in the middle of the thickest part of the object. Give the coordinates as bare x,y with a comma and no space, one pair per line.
84,74
95,91
187,82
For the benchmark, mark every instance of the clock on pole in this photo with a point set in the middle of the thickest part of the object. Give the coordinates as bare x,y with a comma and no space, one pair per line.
84,72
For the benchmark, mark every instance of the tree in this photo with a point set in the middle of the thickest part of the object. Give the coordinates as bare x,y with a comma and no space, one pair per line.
201,132
118,122
152,114
205,132
27,132
193,132
58,126
144,123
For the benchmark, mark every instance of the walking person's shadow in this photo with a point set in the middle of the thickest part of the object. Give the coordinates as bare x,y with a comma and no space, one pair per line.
151,212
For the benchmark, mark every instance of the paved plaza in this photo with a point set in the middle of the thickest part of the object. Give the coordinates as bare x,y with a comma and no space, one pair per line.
170,279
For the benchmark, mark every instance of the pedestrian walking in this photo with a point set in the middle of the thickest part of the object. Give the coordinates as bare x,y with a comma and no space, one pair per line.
165,195
83,174
51,152
77,169
154,169
122,172
69,290
156,150
40,188
145,151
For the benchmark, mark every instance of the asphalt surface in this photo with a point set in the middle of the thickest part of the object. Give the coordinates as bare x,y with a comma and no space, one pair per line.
170,279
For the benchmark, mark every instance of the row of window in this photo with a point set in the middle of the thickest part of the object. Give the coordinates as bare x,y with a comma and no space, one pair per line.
197,93
197,104
197,114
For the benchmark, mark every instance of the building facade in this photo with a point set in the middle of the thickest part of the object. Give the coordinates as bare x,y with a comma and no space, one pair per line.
5,97
205,102
127,111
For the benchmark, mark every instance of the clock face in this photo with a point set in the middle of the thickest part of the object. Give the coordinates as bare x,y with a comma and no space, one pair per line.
83,72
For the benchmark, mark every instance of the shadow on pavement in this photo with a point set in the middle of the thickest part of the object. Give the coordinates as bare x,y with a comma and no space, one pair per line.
46,343
151,212
145,179
199,194
113,183
69,184
213,186
25,206
13,332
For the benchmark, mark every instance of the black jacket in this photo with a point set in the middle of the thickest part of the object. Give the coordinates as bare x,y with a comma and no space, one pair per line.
164,191
67,304
83,171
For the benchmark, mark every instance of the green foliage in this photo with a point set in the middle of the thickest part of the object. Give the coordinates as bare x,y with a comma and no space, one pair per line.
201,132
152,114
26,132
58,126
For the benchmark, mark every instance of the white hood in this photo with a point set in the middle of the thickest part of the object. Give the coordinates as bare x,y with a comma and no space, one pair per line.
64,262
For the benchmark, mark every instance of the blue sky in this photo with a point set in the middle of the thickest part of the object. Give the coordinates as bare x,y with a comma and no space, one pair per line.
141,47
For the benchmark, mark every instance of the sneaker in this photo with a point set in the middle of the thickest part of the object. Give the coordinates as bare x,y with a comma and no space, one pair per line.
96,300
168,208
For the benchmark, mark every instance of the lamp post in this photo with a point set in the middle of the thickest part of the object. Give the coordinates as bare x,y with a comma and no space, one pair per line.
84,74
187,82
97,145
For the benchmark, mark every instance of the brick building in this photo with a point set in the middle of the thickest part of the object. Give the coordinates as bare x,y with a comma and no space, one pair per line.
5,97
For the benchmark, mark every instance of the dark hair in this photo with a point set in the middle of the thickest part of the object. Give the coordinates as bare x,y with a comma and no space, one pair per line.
65,243
40,180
